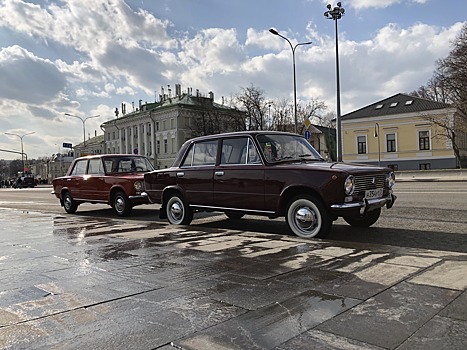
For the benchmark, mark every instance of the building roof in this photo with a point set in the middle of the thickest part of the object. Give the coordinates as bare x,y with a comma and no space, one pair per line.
397,104
96,140
184,99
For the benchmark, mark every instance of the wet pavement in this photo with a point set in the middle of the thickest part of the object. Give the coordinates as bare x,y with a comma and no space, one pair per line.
81,282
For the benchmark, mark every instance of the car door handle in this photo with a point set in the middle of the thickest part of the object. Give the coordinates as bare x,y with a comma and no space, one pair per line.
219,173
68,179
180,174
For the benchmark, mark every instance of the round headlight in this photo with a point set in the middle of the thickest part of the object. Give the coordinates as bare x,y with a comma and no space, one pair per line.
349,185
138,185
391,179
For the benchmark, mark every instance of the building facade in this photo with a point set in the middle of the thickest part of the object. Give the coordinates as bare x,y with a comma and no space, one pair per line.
158,130
399,132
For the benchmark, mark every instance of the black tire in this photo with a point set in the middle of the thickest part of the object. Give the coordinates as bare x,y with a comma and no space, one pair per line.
121,204
69,203
307,217
365,220
234,215
178,212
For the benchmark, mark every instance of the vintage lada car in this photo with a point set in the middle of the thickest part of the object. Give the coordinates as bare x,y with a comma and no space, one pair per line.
114,179
274,174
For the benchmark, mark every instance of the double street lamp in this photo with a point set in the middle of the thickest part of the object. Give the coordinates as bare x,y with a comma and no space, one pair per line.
22,150
336,13
273,31
83,121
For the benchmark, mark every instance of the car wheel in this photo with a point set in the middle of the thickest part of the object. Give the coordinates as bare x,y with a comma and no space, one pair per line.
365,220
234,215
307,217
121,204
178,212
69,203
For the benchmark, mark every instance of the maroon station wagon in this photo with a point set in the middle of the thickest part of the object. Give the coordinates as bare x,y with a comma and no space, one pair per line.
115,179
274,174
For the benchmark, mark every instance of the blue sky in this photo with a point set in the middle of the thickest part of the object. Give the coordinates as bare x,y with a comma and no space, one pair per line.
88,57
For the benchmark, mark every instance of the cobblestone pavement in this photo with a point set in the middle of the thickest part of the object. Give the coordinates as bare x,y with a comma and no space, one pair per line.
84,282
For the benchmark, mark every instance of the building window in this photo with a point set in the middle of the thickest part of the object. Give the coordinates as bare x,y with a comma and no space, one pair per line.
423,140
157,126
158,147
424,166
164,125
173,145
390,142
165,146
361,144
172,123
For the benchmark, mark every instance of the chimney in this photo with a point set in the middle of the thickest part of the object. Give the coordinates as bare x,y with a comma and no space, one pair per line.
178,89
211,95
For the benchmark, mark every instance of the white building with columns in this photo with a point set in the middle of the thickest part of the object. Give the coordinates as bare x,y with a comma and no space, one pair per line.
157,130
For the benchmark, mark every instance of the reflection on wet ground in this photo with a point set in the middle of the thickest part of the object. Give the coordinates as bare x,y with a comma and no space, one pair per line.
78,281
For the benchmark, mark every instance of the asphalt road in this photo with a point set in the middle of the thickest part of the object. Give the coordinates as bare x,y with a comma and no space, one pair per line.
429,215
95,281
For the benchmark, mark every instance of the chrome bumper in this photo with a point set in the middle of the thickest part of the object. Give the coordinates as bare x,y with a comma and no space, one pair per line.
367,204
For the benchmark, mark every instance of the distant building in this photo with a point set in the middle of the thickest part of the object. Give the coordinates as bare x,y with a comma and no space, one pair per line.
397,132
157,130
94,145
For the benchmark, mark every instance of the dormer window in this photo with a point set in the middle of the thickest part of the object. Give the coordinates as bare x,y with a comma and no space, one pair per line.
409,102
394,104
379,106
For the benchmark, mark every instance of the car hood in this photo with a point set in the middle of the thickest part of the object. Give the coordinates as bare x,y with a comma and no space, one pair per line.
337,167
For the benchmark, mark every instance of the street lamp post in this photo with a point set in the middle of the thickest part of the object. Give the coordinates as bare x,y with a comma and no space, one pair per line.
379,148
273,31
83,121
22,150
336,13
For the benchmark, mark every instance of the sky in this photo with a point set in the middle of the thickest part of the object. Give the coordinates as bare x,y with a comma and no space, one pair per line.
86,58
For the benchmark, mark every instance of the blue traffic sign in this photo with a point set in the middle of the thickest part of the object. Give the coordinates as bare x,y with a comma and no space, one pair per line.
67,145
307,134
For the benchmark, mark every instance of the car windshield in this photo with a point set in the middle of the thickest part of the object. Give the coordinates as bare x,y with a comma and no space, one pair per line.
281,147
127,165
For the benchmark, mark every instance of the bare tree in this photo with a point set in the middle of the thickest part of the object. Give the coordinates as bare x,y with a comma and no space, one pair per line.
254,103
448,85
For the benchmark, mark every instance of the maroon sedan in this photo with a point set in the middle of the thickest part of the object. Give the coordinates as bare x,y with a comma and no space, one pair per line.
115,179
272,174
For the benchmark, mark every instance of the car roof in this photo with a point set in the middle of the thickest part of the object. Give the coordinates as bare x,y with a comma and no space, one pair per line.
93,156
241,133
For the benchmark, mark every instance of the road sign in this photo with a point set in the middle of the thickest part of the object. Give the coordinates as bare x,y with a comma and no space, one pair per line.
307,134
67,145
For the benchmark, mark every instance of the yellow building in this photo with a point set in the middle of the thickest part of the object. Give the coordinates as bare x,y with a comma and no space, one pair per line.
399,132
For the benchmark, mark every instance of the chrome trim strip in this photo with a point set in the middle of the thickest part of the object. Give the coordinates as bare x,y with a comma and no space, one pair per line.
233,209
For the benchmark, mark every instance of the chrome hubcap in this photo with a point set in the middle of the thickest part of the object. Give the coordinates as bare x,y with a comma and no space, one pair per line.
119,204
176,211
305,218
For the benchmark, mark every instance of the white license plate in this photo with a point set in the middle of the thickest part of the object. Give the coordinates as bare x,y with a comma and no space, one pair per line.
378,193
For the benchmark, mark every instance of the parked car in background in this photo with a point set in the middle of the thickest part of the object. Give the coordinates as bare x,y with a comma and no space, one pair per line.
23,182
115,179
274,174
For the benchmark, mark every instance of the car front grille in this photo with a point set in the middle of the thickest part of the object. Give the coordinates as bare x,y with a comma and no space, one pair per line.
369,182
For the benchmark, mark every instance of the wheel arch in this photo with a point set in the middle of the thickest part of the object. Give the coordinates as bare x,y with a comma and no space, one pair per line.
294,191
113,192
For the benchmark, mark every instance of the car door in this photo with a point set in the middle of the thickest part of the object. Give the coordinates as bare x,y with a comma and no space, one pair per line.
75,180
94,187
195,175
239,177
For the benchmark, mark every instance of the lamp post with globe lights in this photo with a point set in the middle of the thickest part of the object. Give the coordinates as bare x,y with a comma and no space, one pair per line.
293,47
335,14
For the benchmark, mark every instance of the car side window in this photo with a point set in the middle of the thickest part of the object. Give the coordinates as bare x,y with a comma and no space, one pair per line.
201,153
95,167
80,167
232,151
